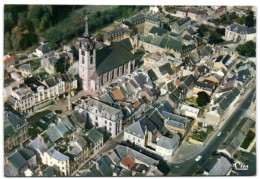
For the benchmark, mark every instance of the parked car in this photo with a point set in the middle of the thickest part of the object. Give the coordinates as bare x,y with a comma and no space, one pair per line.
198,158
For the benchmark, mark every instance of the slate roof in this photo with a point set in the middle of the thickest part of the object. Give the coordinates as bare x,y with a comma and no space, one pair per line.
106,98
171,86
26,67
39,144
17,160
26,153
158,31
221,167
45,48
57,155
53,134
118,31
164,42
140,18
95,135
204,85
169,143
111,57
226,99
166,69
152,75
242,29
182,21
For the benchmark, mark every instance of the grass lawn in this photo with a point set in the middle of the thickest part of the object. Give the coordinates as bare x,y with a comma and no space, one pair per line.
249,138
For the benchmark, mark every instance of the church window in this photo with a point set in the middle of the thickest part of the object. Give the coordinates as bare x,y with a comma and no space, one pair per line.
83,60
91,60
82,52
118,71
107,76
123,69
113,74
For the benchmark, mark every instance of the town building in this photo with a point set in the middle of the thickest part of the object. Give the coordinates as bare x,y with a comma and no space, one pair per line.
15,130
240,33
101,115
100,67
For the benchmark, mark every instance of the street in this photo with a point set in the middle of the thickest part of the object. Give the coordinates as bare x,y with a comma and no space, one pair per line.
189,167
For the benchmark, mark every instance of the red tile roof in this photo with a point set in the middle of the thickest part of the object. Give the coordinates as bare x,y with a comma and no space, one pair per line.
128,162
146,95
8,60
138,103
118,94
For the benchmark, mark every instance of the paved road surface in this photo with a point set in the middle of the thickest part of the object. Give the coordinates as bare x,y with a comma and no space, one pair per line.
188,167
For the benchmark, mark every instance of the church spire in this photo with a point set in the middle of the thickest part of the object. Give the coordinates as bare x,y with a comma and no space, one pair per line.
86,27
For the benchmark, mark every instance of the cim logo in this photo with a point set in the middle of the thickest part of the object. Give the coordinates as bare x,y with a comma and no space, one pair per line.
240,166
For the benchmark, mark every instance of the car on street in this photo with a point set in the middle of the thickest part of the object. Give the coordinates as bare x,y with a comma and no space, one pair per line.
219,133
198,158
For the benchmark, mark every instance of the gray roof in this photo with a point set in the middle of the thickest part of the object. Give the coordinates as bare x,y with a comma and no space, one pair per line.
166,69
180,22
113,56
39,144
242,29
123,151
106,98
119,31
53,134
94,135
26,153
57,155
65,120
169,143
45,48
17,160
221,167
25,67
140,18
62,128
158,31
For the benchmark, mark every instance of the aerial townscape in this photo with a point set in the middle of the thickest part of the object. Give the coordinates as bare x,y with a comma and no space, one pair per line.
101,90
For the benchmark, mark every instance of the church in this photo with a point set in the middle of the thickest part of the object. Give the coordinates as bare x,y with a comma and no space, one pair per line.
99,67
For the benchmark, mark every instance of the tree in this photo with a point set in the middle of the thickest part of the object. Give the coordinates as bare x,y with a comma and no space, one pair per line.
99,37
215,38
203,99
250,21
202,30
247,49
167,27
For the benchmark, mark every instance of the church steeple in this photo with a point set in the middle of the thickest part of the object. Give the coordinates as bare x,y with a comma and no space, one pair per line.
86,34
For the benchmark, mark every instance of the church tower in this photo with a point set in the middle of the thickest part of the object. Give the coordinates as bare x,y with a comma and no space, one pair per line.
87,60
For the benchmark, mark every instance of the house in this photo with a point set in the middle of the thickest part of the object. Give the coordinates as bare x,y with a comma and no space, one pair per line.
146,134
19,161
144,22
101,115
57,160
181,12
135,161
203,87
225,62
116,35
44,49
99,67
176,123
196,14
96,139
240,33
25,69
9,61
15,130
218,166
48,63
180,25
158,31
189,111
